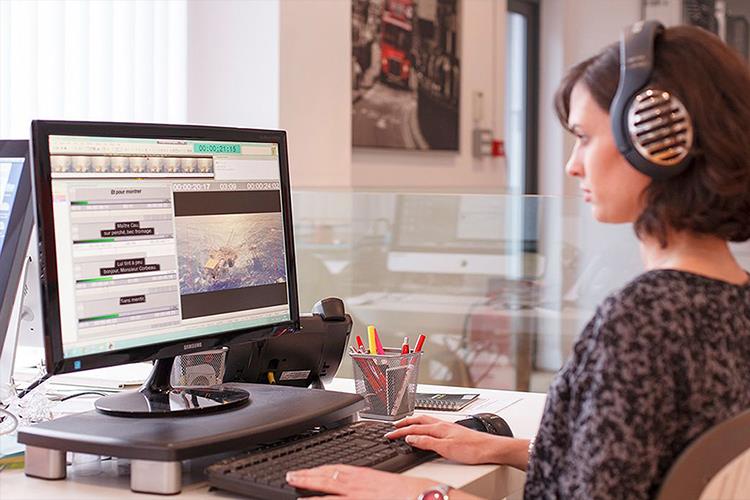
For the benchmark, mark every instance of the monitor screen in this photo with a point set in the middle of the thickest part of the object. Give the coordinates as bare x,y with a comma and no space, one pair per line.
163,240
463,234
10,176
16,221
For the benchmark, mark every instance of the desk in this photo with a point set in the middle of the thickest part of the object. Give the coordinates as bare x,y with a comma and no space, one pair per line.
91,478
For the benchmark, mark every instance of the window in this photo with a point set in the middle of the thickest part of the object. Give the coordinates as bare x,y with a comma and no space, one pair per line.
112,60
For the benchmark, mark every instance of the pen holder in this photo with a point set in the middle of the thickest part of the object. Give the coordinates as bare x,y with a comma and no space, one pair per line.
388,382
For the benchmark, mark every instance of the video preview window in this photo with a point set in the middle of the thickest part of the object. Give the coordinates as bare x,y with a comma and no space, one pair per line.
230,251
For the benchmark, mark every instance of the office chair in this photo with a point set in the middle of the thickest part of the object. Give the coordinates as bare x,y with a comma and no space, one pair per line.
706,457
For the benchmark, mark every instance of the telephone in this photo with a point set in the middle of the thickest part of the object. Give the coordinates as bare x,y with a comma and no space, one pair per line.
308,357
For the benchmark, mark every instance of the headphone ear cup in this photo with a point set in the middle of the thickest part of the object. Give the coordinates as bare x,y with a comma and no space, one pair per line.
660,133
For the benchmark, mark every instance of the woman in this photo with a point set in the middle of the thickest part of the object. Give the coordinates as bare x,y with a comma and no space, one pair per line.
666,357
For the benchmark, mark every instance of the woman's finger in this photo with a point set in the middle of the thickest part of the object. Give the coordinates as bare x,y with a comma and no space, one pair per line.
438,429
323,470
327,478
427,443
416,419
326,484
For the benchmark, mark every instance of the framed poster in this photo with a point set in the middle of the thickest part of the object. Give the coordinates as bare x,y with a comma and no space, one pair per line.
405,74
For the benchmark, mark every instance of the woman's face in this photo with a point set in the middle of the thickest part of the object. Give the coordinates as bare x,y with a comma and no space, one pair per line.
608,181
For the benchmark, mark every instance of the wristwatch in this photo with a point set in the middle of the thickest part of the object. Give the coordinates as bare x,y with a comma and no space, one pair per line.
437,492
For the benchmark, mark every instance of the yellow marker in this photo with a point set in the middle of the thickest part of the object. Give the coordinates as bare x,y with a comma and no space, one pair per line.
371,339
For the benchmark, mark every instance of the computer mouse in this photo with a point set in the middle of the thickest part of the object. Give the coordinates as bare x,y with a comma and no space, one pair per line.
489,423
330,309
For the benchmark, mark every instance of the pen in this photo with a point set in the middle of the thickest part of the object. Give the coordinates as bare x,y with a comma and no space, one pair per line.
405,346
378,346
373,378
360,344
420,342
371,339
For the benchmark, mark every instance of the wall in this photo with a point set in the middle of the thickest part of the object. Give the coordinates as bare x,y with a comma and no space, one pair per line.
233,63
315,103
314,87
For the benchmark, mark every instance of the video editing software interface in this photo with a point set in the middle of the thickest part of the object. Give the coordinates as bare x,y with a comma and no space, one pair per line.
165,240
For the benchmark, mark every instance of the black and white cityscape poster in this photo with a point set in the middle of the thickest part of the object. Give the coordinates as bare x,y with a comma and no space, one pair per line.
406,74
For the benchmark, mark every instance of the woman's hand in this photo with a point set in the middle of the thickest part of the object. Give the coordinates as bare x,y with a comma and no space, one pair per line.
449,440
458,443
346,481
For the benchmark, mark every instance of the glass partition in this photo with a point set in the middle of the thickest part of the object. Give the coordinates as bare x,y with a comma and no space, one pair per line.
501,285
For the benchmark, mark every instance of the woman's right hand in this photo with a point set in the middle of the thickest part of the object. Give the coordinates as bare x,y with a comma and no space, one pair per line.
450,440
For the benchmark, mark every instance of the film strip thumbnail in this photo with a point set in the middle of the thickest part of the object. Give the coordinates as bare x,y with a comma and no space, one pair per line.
133,166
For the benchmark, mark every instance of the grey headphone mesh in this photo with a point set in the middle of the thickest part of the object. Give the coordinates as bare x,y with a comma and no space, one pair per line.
660,127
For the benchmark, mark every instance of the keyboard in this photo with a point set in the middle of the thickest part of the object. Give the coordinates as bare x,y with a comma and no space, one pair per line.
261,473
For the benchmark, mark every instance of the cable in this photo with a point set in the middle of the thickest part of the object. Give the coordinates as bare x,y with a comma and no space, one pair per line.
34,385
10,416
86,393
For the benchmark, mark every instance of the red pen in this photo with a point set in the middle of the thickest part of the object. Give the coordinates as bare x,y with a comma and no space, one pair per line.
405,346
378,346
360,344
420,342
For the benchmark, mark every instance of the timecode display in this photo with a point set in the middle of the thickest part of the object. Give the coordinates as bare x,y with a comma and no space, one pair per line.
217,148
180,187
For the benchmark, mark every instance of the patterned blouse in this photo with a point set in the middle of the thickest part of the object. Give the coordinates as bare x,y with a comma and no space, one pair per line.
663,360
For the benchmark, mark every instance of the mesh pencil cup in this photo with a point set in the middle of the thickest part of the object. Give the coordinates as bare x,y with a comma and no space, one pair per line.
388,382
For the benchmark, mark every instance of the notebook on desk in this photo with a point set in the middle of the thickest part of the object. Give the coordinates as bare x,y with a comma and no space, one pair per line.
443,402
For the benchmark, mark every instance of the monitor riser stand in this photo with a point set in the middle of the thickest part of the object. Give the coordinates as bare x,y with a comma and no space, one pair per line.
160,445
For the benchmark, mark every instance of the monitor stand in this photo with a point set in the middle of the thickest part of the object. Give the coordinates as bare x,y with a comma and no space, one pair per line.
157,397
157,448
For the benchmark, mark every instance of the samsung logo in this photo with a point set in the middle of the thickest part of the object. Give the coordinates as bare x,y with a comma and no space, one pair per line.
192,346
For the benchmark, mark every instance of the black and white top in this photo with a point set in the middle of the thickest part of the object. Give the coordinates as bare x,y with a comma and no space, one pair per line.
663,360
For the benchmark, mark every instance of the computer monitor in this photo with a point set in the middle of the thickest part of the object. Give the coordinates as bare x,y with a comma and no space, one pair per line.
487,235
16,221
161,240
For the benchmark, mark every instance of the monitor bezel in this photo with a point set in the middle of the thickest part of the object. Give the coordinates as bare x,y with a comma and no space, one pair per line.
16,242
41,130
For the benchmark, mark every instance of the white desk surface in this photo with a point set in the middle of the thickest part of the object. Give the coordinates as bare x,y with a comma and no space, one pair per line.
91,478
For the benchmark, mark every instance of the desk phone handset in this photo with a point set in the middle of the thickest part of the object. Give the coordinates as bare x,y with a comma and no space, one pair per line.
308,357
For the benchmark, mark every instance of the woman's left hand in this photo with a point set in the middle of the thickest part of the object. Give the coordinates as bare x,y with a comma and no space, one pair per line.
348,482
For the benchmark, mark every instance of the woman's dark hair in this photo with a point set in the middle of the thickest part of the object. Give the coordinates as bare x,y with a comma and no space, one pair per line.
712,196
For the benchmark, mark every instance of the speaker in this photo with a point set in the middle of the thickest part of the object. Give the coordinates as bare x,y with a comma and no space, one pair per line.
651,126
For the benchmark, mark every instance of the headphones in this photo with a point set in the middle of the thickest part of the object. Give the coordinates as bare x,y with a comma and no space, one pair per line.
652,128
